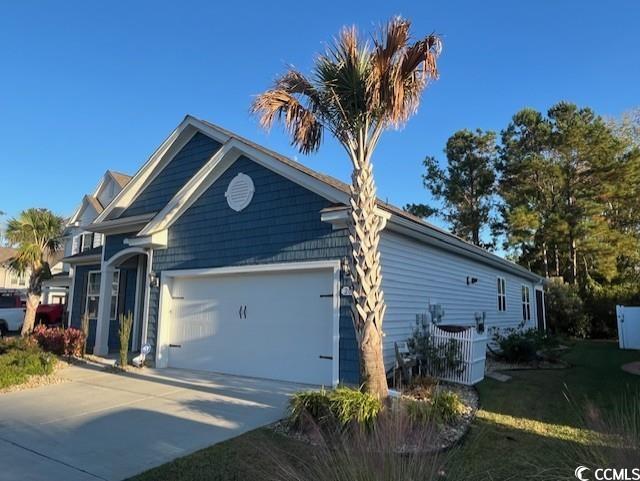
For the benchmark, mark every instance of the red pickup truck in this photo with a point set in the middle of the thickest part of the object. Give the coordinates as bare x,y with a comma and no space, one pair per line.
50,314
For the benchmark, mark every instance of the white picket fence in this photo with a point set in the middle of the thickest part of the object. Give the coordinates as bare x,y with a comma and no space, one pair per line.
473,350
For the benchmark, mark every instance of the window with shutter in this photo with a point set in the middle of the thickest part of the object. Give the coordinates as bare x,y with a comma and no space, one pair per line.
97,240
75,246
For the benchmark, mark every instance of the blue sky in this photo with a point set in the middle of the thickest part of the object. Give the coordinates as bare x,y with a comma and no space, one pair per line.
86,86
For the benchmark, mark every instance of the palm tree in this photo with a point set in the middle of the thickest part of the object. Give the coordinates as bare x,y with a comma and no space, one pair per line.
36,233
357,91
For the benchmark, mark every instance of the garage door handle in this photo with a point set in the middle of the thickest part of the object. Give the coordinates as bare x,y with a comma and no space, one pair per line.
245,312
175,345
326,357
240,312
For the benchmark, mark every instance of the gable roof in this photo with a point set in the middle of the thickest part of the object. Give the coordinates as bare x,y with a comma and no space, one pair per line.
6,254
233,146
120,178
92,199
94,202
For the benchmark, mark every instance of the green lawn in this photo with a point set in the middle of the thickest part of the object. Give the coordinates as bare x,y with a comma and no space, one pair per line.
523,425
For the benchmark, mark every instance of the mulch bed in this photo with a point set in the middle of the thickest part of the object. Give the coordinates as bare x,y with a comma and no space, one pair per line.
444,437
44,380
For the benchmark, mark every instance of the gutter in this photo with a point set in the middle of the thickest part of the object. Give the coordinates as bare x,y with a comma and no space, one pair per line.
435,237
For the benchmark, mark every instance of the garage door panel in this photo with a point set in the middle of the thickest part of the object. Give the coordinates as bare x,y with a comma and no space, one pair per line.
285,332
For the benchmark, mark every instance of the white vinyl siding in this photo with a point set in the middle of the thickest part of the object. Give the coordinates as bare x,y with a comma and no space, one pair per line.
414,274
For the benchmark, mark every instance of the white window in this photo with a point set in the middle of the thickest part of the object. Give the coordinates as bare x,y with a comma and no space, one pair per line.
97,240
75,245
93,295
87,241
526,304
502,294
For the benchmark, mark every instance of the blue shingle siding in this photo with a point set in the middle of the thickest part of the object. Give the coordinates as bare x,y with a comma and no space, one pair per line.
115,243
171,179
281,224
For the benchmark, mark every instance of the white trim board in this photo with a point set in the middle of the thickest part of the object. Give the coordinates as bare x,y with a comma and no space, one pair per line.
222,160
167,277
160,158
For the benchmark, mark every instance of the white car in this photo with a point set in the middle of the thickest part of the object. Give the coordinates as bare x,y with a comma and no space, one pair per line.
11,314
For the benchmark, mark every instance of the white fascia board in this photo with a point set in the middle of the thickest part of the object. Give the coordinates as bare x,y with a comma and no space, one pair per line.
217,165
272,163
254,268
93,259
120,225
157,240
76,215
193,189
158,160
456,246
305,180
339,217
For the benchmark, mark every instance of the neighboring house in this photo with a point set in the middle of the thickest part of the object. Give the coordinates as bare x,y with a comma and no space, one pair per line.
233,258
11,280
77,241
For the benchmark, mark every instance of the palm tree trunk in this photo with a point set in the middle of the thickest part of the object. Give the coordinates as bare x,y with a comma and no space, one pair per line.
368,301
30,315
33,299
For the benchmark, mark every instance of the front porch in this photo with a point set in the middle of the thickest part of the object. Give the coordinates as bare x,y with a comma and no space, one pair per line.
107,291
121,292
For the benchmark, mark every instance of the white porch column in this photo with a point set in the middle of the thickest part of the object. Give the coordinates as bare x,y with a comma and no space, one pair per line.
101,347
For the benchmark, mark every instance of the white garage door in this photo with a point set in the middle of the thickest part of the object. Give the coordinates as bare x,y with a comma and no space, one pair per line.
275,325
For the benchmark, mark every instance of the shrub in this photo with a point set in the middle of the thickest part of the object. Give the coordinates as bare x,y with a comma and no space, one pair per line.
124,333
21,358
67,342
565,310
447,406
600,303
49,339
436,358
75,342
340,406
442,407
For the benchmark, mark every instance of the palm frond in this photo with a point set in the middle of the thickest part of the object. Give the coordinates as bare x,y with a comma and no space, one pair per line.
282,103
401,70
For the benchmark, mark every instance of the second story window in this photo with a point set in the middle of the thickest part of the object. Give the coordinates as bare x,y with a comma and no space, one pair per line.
87,241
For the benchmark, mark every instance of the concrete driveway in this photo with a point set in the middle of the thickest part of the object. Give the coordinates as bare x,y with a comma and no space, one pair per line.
106,426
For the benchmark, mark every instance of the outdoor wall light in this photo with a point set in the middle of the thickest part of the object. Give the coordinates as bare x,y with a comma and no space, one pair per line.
471,280
153,280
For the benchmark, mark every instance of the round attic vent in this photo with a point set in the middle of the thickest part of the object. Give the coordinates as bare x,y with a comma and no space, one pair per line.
240,192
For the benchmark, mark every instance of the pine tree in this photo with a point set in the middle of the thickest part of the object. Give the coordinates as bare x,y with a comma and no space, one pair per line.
466,186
